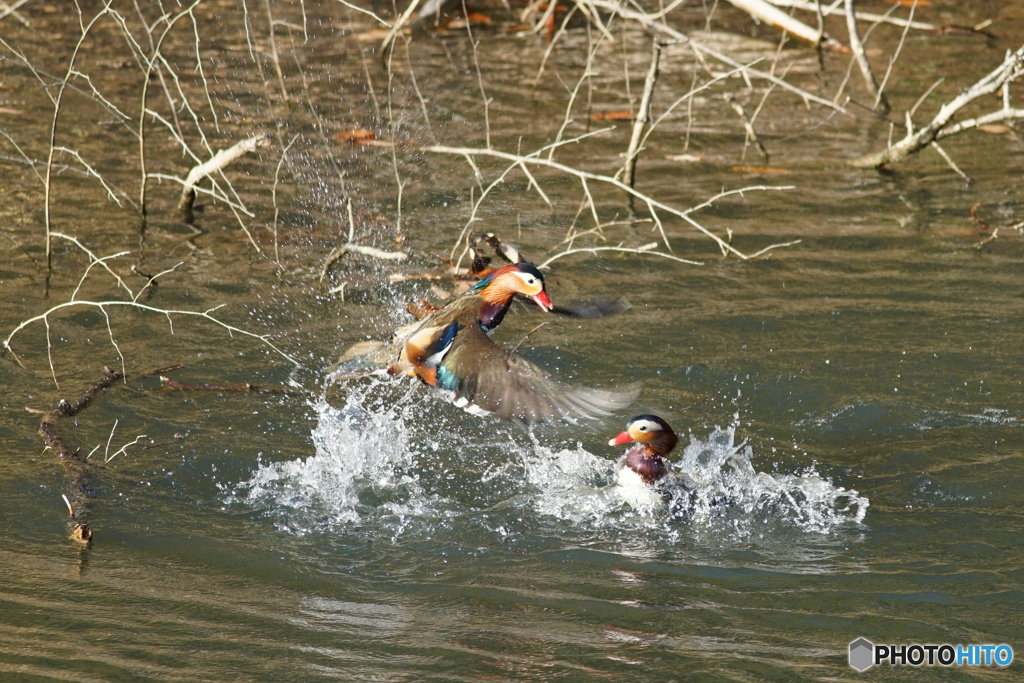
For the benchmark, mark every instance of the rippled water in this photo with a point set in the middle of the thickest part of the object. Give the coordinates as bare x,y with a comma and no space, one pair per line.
850,407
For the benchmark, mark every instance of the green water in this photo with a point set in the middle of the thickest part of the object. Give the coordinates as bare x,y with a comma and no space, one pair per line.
380,533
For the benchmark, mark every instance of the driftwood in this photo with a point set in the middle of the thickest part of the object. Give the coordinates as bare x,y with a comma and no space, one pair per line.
76,468
216,163
942,127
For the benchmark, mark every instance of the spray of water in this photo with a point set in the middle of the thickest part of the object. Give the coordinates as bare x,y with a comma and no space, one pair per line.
376,464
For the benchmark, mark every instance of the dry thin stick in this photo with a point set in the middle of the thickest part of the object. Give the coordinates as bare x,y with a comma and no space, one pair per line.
817,8
103,305
518,163
747,125
857,45
645,249
151,63
647,21
644,113
273,51
57,100
896,53
124,448
529,334
174,385
273,193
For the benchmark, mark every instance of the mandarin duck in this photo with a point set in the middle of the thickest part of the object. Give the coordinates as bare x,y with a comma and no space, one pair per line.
451,349
644,478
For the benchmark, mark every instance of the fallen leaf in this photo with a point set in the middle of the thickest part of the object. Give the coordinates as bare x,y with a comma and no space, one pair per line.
358,136
613,116
764,170
471,19
995,128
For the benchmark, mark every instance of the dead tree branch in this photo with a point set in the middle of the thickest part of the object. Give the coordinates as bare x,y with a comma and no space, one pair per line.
76,469
940,127
828,10
770,14
216,164
857,45
653,205
642,116
649,22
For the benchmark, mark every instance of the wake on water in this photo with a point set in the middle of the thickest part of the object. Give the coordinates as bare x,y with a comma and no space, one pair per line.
372,466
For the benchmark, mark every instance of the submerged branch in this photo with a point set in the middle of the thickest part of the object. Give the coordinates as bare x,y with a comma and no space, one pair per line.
217,163
939,127
76,469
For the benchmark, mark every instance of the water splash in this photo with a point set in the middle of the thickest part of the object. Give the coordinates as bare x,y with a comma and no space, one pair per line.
363,468
384,463
723,489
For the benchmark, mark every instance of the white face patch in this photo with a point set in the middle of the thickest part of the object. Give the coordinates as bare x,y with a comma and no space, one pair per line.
531,283
643,427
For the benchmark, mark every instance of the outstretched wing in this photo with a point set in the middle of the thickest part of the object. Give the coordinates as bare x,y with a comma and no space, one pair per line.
487,379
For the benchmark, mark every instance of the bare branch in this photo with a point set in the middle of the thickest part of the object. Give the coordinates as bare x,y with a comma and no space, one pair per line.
219,161
584,176
938,128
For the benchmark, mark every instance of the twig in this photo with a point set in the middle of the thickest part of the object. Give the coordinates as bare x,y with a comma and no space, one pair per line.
642,116
857,45
747,125
124,448
273,193
57,101
861,16
584,176
645,249
219,161
175,385
103,305
151,64
645,20
529,334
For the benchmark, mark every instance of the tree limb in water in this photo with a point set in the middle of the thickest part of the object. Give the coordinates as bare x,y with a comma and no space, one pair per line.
75,468
940,127
218,162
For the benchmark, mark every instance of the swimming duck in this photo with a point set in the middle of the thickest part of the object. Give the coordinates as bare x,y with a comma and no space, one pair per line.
451,349
654,440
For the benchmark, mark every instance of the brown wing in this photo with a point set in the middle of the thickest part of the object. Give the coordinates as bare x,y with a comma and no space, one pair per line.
488,378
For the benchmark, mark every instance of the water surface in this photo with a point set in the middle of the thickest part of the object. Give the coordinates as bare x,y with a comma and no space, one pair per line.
854,399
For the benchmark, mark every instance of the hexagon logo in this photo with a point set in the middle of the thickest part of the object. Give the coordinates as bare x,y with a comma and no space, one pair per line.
862,654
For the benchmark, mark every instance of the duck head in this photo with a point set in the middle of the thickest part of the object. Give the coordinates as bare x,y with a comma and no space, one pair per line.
655,439
516,278
501,286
